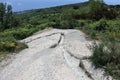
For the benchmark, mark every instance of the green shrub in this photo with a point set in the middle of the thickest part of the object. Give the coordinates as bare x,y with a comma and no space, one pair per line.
114,71
64,24
20,33
103,56
114,28
102,25
7,43
43,26
68,24
93,35
107,55
34,20
81,23
100,56
28,26
51,24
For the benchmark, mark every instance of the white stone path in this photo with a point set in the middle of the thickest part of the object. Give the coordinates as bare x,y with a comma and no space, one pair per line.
53,54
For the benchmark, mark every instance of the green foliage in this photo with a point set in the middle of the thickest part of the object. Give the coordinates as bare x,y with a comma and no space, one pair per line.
105,12
114,70
7,19
34,20
96,4
22,33
84,23
7,43
114,25
114,28
98,14
67,19
43,26
100,56
95,18
96,10
2,12
68,24
101,25
94,35
107,55
65,24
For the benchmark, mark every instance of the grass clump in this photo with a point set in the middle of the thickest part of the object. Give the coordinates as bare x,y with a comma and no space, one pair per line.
100,56
107,55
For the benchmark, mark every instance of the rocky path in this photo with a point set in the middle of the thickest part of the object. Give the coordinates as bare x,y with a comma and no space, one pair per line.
53,55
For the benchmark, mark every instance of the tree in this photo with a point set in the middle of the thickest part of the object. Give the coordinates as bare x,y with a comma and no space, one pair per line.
99,10
68,20
7,19
96,4
2,12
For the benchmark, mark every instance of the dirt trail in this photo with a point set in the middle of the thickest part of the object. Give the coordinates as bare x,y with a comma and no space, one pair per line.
53,55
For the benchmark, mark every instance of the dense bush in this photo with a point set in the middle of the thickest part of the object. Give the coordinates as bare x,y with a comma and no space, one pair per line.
68,24
107,13
19,33
22,33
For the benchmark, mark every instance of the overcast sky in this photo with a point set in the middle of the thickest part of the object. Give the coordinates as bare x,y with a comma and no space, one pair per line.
19,5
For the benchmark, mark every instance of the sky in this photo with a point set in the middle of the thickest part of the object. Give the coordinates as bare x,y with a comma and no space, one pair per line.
20,5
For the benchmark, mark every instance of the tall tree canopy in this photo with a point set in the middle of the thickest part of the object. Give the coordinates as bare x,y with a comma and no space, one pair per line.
2,12
7,19
96,4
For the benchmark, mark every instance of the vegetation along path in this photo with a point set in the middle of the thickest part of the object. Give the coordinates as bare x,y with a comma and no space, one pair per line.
53,54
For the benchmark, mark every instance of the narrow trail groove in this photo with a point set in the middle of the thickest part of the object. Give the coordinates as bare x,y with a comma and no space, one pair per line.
42,37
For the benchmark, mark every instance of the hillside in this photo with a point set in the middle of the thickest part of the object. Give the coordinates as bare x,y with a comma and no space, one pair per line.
98,20
57,8
53,54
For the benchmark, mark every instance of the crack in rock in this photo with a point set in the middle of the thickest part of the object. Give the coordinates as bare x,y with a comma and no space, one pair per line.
81,64
72,54
43,36
59,41
84,68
